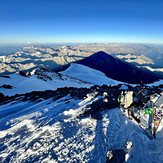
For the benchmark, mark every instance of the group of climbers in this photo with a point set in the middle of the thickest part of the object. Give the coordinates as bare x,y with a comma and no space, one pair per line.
145,109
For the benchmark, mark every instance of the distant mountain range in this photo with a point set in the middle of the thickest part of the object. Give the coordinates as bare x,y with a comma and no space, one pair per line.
58,58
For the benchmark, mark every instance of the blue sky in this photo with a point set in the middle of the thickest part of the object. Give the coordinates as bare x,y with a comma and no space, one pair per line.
57,21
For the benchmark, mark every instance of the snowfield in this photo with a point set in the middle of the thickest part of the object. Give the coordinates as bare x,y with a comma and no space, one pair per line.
157,83
23,84
89,75
54,128
75,76
55,131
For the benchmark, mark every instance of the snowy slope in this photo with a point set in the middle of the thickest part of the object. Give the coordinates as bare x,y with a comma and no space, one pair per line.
75,76
54,131
157,83
23,84
90,75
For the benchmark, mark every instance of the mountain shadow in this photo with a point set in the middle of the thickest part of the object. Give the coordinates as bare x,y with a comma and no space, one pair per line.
117,69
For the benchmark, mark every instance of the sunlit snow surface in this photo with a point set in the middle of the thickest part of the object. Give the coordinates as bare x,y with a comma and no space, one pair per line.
23,84
75,76
54,131
90,75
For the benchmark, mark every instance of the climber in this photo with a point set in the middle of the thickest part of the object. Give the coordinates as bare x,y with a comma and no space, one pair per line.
126,99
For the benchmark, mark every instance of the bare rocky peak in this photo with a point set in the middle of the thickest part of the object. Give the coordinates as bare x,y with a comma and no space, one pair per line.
140,59
115,48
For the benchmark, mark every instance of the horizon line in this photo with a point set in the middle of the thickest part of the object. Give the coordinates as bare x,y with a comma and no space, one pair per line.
59,43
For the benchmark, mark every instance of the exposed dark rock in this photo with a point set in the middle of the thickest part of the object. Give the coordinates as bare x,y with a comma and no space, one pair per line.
22,73
108,94
1,97
161,86
6,86
42,74
4,76
28,73
25,74
115,156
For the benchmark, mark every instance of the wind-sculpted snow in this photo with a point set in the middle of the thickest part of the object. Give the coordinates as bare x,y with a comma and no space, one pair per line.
44,132
54,131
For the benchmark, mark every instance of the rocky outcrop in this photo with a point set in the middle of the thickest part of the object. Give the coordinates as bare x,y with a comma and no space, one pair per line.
139,59
6,86
115,156
25,74
1,96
